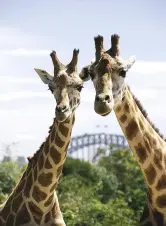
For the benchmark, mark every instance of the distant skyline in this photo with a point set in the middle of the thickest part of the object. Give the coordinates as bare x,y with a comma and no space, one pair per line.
29,31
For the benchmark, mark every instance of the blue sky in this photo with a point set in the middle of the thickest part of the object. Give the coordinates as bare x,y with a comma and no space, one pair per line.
30,30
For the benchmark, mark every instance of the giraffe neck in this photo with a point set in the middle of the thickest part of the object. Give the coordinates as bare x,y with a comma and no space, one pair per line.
34,196
150,152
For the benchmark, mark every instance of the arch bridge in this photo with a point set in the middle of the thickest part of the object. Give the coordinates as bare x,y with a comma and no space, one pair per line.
85,146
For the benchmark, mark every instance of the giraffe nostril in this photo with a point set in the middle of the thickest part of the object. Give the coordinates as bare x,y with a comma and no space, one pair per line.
58,109
107,98
64,108
98,99
103,98
61,109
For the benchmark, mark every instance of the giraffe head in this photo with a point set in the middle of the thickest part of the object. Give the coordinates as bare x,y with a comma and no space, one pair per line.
65,85
108,74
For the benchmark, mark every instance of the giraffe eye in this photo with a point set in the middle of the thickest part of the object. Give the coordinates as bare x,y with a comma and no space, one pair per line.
79,88
122,73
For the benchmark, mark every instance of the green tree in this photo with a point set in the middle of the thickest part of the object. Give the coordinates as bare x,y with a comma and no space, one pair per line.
110,192
131,182
9,175
116,212
104,185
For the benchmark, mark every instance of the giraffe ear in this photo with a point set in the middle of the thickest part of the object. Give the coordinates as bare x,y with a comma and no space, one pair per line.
129,63
45,76
84,74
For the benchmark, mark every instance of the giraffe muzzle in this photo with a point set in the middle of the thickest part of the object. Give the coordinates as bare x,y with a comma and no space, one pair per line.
62,109
62,113
103,104
103,109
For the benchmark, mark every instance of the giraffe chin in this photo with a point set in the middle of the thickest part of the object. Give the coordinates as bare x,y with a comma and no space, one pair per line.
105,114
61,117
103,109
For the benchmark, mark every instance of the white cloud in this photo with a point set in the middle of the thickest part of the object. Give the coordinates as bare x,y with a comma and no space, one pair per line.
146,94
14,38
88,94
18,80
26,52
149,67
25,136
22,95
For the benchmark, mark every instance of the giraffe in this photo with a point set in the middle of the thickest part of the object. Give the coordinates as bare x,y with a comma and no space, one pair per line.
108,74
34,201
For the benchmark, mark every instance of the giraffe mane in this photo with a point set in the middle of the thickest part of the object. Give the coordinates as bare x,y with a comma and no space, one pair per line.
145,114
32,159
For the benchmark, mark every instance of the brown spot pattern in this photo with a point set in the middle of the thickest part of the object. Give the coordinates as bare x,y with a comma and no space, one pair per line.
38,195
10,220
36,212
67,146
66,121
5,212
159,217
59,170
40,162
60,143
123,118
45,179
53,134
148,223
53,187
1,223
150,194
46,146
141,153
47,164
147,142
161,182
150,174
55,155
73,120
118,109
16,203
20,219
49,201
54,210
20,186
161,201
127,108
131,130
47,217
37,220
35,173
64,130
28,185
158,156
